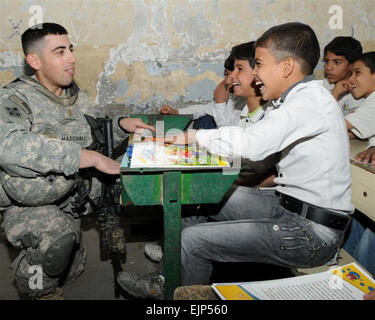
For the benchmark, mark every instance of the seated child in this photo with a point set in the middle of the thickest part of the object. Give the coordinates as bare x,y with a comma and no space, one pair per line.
339,54
223,97
361,122
302,221
241,82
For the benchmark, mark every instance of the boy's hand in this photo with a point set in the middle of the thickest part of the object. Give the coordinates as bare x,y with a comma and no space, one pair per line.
188,137
369,296
133,124
168,110
367,156
102,163
341,87
221,93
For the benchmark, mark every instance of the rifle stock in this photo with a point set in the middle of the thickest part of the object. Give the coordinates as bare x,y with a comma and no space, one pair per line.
112,235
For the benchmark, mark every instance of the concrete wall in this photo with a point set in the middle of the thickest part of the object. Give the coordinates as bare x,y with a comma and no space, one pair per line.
144,53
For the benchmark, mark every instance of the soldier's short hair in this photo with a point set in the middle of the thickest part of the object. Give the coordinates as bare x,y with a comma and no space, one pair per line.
32,36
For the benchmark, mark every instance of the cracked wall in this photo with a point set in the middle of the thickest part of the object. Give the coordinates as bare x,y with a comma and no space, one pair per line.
144,53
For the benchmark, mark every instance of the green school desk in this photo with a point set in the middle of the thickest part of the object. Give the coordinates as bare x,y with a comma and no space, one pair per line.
172,188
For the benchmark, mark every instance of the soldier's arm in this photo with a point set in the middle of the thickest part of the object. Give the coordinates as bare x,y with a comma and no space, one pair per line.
26,154
122,125
102,163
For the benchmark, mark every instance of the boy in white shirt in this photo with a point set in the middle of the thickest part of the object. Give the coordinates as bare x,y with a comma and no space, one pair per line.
243,106
339,55
223,98
361,122
241,82
360,242
300,223
239,79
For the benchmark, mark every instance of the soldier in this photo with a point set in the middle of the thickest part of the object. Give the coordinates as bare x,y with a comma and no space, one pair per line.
43,136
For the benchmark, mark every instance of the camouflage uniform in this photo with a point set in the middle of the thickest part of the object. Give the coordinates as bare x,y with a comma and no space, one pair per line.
41,136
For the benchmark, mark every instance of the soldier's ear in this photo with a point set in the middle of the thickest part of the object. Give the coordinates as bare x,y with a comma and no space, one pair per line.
34,61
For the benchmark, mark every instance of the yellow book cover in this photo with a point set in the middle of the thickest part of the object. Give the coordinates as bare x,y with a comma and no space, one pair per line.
348,282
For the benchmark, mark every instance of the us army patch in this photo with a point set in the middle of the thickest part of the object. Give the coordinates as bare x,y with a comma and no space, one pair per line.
13,112
20,103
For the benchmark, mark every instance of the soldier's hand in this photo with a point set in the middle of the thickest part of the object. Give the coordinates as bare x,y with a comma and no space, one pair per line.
96,160
134,124
168,110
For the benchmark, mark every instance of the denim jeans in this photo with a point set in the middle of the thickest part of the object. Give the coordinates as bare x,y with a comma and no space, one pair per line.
360,244
205,122
253,227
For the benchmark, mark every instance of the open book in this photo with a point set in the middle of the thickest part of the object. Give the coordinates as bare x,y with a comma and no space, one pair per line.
158,155
349,282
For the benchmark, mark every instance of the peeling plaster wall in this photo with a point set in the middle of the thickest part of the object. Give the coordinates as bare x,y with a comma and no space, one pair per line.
144,53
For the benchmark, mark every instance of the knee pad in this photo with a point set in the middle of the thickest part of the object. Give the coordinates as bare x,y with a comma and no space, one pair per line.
57,256
22,273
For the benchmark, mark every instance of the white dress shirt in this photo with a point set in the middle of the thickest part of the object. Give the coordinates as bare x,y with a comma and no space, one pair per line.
224,113
363,118
309,128
228,116
347,102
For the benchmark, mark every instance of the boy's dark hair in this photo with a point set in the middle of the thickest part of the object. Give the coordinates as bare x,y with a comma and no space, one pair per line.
244,51
36,33
293,39
368,60
348,47
229,63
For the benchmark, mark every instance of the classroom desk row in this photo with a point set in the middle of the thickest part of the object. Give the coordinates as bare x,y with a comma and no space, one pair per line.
363,198
363,182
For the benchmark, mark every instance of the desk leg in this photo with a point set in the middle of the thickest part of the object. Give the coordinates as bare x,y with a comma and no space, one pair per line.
172,231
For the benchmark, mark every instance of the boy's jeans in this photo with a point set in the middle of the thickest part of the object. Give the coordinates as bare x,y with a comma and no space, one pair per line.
360,244
253,227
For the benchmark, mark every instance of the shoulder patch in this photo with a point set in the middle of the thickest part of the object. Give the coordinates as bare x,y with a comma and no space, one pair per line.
11,111
20,103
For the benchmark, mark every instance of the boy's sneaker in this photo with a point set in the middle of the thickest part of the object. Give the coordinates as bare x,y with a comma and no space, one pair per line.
153,252
144,287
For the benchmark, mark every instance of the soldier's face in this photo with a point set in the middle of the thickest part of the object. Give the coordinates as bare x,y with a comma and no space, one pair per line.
56,63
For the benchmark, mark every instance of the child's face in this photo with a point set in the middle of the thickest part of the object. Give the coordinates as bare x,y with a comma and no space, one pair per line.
336,67
362,82
227,73
242,79
268,74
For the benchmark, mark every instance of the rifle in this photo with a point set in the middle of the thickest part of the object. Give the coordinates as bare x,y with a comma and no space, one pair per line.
108,208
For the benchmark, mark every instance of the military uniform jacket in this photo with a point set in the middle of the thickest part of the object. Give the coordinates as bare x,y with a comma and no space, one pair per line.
41,137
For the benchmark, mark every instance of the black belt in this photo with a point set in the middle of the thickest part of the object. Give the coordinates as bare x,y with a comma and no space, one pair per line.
319,215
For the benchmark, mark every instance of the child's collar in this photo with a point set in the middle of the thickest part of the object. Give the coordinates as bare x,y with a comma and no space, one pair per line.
278,102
